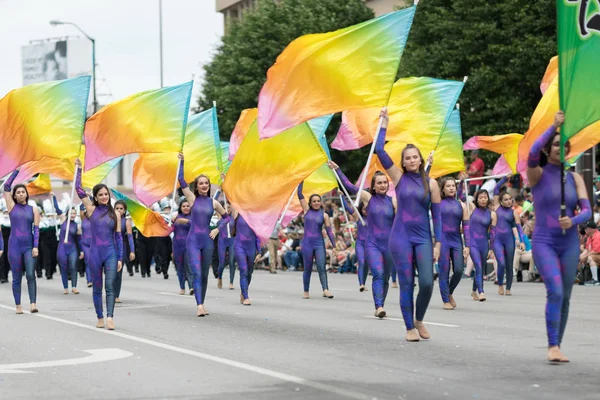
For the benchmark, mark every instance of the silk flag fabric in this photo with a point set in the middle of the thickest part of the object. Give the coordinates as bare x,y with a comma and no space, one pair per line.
40,185
247,118
506,145
418,107
264,173
42,120
149,122
148,222
579,62
550,74
154,174
330,72
64,169
447,159
502,167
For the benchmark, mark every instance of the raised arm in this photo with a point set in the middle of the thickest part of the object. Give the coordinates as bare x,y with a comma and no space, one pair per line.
10,203
303,202
57,208
393,171
89,205
185,188
534,171
497,190
350,187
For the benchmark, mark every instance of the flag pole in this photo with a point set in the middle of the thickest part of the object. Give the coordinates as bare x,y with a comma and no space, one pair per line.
175,187
364,177
68,215
286,208
362,221
347,220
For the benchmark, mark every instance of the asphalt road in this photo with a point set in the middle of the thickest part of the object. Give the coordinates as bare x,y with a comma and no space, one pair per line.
286,347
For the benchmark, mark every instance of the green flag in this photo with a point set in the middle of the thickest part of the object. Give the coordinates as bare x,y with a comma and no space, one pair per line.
579,64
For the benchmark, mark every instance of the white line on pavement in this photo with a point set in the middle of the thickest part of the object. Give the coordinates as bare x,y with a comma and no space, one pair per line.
236,364
426,323
183,296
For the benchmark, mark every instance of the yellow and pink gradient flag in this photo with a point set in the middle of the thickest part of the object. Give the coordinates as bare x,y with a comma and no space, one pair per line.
550,74
418,107
505,145
148,222
447,159
64,168
247,118
149,122
154,174
264,174
41,185
42,120
324,73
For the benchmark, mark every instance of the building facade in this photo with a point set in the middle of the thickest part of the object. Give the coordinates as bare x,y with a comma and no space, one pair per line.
234,10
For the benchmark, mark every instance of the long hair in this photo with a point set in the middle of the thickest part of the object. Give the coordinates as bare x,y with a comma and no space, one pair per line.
110,210
479,193
443,182
19,186
374,178
196,185
310,200
548,148
424,177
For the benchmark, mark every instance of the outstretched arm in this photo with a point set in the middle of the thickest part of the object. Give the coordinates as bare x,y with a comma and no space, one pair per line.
497,190
185,188
89,206
350,187
303,202
393,171
8,188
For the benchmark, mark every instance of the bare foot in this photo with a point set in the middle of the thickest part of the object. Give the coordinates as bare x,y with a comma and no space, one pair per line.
65,291
200,312
501,290
75,291
110,324
247,302
306,295
33,308
412,336
422,330
380,313
556,356
448,306
100,323
327,293
482,297
219,283
19,310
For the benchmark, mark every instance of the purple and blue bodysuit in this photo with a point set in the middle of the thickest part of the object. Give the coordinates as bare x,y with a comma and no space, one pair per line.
24,237
225,247
313,245
380,217
361,238
86,242
247,245
411,239
106,251
181,231
452,246
127,246
483,236
67,253
555,254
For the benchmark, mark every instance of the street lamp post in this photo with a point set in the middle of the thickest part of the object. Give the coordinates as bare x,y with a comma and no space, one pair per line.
91,39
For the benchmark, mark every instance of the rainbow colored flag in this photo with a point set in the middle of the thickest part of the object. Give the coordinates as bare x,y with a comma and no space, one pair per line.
247,118
154,174
149,122
42,120
506,145
41,185
148,222
324,73
418,107
264,174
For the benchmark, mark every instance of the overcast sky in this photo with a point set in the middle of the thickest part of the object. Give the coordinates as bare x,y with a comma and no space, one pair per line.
127,39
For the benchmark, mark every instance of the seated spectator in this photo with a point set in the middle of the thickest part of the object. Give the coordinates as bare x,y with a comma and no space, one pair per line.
524,257
291,251
591,253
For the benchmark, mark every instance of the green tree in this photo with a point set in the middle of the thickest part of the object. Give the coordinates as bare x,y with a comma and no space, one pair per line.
503,46
238,70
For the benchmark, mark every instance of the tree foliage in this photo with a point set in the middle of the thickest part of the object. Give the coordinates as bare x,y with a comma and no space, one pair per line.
503,46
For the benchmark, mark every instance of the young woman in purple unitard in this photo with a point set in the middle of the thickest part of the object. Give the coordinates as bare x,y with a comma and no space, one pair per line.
247,252
454,215
483,236
86,242
67,253
128,246
106,249
410,238
199,243
225,247
313,245
555,244
380,210
508,231
23,241
363,271
181,227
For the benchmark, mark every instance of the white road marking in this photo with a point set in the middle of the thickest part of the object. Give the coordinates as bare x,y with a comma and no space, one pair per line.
426,323
236,364
183,296
96,355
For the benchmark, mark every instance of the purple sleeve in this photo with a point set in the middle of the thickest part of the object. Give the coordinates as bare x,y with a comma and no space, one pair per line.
436,215
8,183
225,219
534,152
460,192
521,234
78,186
119,244
300,187
56,207
353,189
585,213
330,235
467,232
499,186
384,157
36,236
258,245
131,244
492,235
181,177
349,208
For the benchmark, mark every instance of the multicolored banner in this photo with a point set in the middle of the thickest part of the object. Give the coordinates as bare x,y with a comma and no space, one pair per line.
506,145
148,222
324,73
42,120
41,185
247,118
